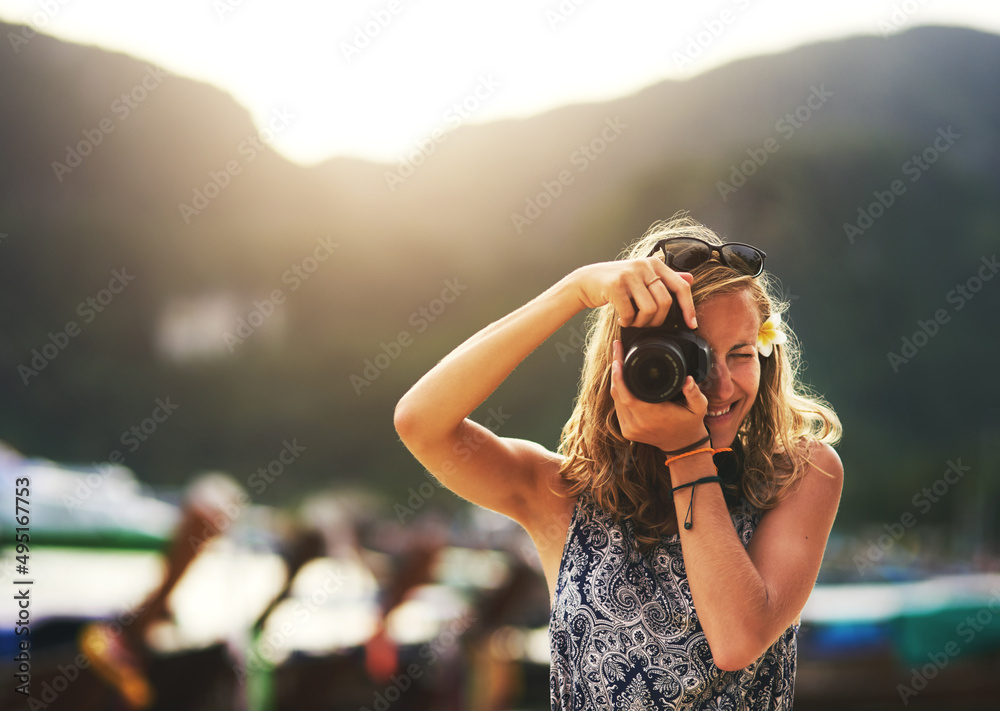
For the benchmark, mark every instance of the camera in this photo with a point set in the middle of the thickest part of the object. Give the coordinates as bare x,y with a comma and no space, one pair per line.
658,359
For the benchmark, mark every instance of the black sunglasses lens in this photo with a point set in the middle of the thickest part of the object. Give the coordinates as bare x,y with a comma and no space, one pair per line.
684,255
743,259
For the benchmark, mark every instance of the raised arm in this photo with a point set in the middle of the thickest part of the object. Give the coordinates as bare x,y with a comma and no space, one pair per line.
507,475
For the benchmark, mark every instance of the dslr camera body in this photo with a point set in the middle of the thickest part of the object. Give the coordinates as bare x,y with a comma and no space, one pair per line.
658,359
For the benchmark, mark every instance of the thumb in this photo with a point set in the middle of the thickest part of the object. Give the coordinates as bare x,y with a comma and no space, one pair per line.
693,396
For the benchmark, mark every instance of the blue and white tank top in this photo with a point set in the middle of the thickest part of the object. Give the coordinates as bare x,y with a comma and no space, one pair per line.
624,633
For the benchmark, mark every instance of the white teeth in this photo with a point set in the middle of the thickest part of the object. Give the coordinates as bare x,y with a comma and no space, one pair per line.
721,412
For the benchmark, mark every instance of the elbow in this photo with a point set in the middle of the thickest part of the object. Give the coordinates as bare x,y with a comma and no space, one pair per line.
731,660
734,654
406,420
415,426
741,641
420,427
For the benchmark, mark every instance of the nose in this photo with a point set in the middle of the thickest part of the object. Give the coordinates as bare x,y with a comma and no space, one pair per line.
718,385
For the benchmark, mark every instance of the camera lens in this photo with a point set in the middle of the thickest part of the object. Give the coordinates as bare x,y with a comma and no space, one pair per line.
654,369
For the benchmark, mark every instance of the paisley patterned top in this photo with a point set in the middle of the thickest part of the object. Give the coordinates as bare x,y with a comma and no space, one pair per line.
624,633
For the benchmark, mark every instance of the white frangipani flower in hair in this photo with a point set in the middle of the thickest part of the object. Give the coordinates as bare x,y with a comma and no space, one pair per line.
770,333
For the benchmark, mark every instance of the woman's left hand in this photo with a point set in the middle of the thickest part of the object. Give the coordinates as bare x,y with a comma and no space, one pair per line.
667,425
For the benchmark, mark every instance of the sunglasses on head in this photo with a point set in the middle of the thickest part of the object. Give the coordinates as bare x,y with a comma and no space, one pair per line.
683,254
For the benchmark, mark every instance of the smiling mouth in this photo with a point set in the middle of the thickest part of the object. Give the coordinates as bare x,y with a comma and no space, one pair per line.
720,413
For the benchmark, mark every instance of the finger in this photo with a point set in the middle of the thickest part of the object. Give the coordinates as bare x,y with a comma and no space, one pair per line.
694,398
619,390
653,311
679,285
647,305
617,381
636,281
633,302
620,395
616,388
658,290
617,364
621,299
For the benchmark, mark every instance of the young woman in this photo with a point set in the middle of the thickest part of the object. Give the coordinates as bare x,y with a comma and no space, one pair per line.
648,613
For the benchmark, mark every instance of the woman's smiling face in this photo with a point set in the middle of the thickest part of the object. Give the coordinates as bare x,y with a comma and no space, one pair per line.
729,323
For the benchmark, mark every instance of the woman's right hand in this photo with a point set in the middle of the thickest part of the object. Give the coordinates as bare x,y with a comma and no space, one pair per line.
640,290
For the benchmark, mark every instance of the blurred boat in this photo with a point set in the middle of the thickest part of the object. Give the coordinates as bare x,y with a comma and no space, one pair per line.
99,548
96,506
927,644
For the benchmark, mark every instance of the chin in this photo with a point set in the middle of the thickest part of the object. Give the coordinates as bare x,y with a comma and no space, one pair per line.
723,429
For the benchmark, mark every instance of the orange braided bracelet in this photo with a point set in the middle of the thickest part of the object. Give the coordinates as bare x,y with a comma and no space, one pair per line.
696,451
673,459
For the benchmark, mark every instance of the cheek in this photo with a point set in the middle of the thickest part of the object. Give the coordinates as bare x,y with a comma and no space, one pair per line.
748,377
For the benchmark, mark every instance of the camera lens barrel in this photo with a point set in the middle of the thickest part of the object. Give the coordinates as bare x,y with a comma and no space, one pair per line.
654,369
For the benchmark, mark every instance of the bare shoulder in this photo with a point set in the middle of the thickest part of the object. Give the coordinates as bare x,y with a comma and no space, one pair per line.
825,470
815,496
825,458
816,492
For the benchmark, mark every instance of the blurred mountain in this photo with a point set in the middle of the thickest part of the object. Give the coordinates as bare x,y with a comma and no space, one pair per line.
156,251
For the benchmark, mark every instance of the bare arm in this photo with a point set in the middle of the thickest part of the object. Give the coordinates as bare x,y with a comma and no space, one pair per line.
502,474
746,598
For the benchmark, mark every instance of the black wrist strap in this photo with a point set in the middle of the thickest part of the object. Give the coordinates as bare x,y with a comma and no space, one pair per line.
704,440
689,517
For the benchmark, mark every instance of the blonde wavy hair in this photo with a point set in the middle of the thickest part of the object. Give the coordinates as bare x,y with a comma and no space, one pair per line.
627,478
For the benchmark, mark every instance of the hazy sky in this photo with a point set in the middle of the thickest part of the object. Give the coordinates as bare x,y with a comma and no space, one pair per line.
370,78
